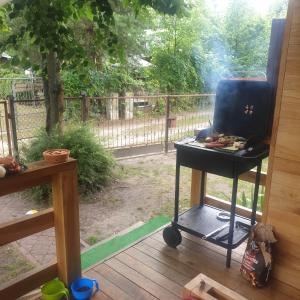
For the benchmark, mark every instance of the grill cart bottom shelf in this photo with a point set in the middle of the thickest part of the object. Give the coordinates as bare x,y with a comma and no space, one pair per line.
203,221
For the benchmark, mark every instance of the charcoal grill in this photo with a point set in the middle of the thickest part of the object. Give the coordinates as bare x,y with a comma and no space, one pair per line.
242,108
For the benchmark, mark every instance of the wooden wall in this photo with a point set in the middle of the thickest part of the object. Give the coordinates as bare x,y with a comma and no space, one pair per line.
282,206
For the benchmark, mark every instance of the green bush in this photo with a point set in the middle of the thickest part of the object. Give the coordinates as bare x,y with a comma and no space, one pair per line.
94,162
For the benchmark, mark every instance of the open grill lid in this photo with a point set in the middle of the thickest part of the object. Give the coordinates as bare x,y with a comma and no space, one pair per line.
243,108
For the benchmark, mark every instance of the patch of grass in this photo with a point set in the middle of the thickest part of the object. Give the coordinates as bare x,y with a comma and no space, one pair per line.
12,263
221,187
217,186
167,208
92,240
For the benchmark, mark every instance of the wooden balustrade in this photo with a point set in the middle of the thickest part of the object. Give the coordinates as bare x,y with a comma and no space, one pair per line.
219,203
64,217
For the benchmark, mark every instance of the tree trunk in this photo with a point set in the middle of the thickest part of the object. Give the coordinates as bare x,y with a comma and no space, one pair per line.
54,94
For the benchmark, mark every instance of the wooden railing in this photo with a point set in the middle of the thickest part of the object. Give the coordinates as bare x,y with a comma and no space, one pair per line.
64,217
219,203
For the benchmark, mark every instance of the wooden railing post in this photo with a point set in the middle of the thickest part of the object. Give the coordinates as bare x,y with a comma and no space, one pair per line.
196,185
64,216
66,223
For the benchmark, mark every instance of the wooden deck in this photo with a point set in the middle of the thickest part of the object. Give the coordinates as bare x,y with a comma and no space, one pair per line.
152,270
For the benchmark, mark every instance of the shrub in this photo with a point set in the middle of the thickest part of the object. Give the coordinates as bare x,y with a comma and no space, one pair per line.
94,162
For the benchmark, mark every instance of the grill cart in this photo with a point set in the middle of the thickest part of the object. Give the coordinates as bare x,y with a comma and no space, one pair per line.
242,109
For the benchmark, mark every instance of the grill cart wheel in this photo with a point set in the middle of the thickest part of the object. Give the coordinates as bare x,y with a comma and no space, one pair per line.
172,236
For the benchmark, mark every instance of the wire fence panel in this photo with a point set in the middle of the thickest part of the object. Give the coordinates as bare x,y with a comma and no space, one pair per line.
189,112
30,116
141,120
21,88
122,122
128,121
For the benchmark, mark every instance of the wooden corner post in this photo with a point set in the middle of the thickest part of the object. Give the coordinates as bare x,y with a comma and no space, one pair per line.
197,177
66,223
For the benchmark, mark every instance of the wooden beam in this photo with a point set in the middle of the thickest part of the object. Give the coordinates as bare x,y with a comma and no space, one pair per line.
37,173
196,182
25,226
66,223
28,282
250,177
205,288
279,96
226,205
196,185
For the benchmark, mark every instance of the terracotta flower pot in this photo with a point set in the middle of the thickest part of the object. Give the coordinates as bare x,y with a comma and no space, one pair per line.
56,156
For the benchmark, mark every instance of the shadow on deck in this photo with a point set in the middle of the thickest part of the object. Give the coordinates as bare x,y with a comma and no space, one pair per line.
152,270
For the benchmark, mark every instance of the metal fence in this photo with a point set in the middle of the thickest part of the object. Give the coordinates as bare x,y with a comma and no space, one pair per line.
119,122
21,88
131,121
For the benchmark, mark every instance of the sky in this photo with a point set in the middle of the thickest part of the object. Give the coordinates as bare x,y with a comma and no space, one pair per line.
261,6
2,2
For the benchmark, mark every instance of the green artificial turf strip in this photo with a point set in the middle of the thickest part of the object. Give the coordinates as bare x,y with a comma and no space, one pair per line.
117,243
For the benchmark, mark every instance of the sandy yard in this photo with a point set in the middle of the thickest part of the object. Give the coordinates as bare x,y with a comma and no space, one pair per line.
144,188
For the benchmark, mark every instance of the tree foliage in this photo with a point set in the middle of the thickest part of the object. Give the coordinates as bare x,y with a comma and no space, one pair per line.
191,46
49,26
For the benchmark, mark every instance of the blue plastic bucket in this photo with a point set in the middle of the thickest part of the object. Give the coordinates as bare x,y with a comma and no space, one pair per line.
82,288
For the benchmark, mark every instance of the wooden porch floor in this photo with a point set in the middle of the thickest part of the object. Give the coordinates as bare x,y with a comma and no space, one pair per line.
152,270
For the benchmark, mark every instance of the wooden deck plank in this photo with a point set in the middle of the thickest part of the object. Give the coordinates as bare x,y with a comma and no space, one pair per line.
167,260
101,296
213,265
196,243
152,270
107,287
158,266
123,283
149,273
237,254
140,280
199,261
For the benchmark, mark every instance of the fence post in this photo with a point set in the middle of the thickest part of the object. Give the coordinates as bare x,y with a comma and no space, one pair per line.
167,110
85,107
12,116
7,116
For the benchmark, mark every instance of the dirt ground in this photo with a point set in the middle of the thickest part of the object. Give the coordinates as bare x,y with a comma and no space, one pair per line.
144,188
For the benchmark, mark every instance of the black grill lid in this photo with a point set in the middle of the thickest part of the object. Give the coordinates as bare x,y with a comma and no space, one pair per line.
243,108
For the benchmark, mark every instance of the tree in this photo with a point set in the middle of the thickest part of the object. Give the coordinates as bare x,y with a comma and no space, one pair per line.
246,38
49,25
174,66
233,43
